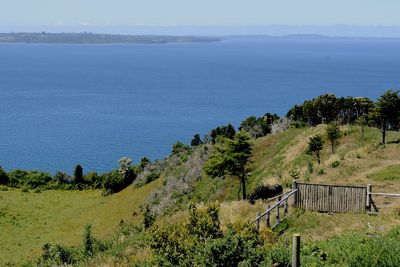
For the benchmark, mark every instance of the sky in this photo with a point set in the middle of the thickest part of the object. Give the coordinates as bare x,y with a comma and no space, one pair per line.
83,14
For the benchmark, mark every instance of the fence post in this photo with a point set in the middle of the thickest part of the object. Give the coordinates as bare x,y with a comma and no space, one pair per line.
257,221
285,211
294,187
369,190
267,218
277,211
296,251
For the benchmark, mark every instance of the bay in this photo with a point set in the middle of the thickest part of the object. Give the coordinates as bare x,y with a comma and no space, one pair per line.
62,105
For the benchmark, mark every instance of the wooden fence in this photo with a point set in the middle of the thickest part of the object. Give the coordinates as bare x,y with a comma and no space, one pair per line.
322,198
331,198
271,221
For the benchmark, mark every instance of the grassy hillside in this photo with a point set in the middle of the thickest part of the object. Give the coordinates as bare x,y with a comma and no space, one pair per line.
28,220
355,161
360,162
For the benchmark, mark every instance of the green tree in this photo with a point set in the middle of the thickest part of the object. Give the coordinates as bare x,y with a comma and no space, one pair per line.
227,131
385,114
3,177
78,174
333,134
231,157
315,145
196,140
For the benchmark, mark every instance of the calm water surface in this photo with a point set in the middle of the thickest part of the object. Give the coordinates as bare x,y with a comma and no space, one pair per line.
61,105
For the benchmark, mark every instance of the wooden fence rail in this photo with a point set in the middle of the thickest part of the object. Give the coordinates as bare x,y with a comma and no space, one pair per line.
282,201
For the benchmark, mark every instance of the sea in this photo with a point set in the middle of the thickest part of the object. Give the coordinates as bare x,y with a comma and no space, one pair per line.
62,105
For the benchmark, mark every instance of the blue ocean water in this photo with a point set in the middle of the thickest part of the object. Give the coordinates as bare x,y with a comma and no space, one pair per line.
61,105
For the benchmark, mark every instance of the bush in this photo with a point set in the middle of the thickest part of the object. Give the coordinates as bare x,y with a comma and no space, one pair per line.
144,162
201,242
30,180
335,164
310,167
61,178
149,218
24,189
54,254
16,176
355,249
3,188
94,180
36,179
113,182
152,177
88,241
179,147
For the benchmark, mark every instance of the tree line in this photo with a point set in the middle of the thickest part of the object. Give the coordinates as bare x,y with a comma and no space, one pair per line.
383,114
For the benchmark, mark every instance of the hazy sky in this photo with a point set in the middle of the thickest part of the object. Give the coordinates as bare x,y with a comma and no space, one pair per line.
200,12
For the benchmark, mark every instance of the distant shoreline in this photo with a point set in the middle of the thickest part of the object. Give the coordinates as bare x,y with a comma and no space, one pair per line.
103,39
93,38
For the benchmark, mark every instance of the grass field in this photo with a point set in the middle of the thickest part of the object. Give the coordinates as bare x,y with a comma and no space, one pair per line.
29,220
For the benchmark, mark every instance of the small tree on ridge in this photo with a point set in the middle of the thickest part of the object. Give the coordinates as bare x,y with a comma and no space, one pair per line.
315,145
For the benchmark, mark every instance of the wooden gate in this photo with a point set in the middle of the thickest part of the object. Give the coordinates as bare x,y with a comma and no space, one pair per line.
331,198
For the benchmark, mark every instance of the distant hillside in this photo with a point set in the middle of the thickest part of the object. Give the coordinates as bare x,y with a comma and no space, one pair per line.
93,38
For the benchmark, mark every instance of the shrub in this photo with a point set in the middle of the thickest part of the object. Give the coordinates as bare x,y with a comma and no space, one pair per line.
54,254
335,163
88,241
144,162
179,147
114,182
310,167
24,189
61,178
149,218
30,180
16,176
36,179
93,179
201,242
152,177
3,188
279,255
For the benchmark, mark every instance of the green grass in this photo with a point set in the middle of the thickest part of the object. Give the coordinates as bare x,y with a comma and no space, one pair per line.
390,173
29,220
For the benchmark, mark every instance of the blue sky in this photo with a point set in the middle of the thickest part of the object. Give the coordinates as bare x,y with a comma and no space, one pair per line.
200,12
204,17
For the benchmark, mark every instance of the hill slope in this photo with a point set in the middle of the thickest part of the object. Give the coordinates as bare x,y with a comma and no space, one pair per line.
29,220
